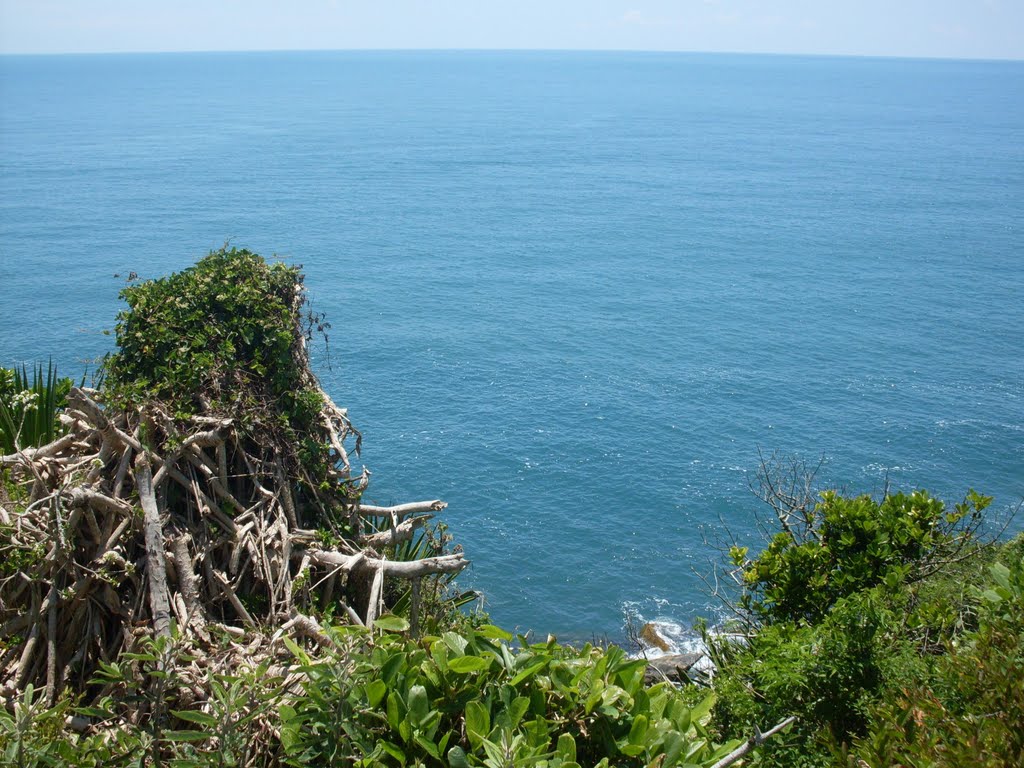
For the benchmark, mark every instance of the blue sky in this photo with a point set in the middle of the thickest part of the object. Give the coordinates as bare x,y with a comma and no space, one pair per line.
929,28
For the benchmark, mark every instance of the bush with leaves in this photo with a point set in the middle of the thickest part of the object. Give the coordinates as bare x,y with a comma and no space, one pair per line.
470,699
375,698
847,606
226,337
969,709
848,544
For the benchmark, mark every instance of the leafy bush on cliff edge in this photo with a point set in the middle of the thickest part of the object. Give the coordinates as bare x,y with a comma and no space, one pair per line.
853,603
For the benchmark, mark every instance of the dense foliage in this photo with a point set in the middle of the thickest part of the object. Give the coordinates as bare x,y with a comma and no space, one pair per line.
226,337
968,709
871,620
254,543
464,698
845,545
195,333
467,698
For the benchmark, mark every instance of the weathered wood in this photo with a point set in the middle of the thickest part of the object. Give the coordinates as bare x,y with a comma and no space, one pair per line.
29,455
109,570
376,585
402,510
80,497
397,568
222,583
188,582
92,410
156,563
404,531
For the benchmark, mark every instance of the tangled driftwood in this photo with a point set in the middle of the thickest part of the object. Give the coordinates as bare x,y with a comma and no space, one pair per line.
113,536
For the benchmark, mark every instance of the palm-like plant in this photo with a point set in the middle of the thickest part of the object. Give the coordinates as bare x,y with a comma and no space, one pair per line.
29,407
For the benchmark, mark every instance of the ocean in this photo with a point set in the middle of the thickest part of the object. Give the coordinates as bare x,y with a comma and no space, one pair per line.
576,295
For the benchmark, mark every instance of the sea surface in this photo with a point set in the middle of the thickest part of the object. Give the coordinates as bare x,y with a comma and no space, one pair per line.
573,294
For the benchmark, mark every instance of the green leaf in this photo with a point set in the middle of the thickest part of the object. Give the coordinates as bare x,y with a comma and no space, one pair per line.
516,710
199,718
389,669
674,744
457,758
1001,575
394,750
390,623
93,712
419,706
456,642
375,692
186,736
492,632
703,710
638,731
566,749
466,664
530,671
478,723
394,710
427,745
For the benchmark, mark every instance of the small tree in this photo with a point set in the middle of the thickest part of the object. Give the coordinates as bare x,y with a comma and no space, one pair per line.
844,545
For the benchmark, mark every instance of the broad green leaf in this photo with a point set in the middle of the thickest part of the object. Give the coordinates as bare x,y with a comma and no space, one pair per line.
507,658
528,672
703,710
390,668
394,750
427,745
566,748
419,706
492,632
466,664
394,709
456,642
1001,575
638,732
517,709
375,692
391,623
494,752
457,758
674,744
478,723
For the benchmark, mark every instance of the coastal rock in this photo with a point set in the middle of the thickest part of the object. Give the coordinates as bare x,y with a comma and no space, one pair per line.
678,668
649,635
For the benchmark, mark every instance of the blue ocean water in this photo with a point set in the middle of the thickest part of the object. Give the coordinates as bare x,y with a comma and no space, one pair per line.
574,294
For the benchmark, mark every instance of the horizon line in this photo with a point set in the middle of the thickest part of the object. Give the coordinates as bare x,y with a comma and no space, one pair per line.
910,57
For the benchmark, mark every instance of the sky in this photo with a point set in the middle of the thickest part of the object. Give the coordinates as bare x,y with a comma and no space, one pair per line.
986,29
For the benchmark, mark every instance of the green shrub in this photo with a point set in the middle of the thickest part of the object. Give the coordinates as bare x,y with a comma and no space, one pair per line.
469,699
970,710
220,337
844,610
376,699
851,544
